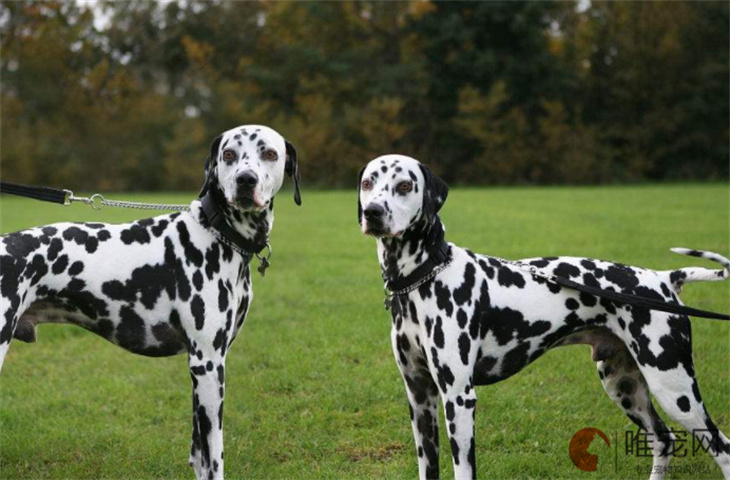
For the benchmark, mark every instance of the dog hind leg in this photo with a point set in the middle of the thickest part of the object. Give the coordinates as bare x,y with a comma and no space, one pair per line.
625,385
670,376
8,323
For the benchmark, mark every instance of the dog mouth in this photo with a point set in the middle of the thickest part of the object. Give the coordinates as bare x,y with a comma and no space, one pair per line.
378,230
372,232
248,202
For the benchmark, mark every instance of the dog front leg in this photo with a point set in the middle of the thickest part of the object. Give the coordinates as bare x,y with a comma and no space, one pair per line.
459,408
206,452
195,449
423,404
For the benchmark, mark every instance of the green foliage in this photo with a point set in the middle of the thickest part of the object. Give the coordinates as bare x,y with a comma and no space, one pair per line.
486,92
550,150
312,387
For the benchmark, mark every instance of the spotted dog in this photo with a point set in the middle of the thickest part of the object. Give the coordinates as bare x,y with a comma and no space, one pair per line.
162,286
481,319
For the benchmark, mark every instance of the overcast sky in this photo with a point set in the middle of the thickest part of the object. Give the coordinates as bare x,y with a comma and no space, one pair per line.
101,19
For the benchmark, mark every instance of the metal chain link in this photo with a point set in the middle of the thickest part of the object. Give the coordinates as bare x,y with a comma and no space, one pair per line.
145,206
388,302
425,279
531,269
97,202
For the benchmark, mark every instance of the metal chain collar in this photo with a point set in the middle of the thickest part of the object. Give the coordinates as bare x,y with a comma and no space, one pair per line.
425,279
389,295
97,202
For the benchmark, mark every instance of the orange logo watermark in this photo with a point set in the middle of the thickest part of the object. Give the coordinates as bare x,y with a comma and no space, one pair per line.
578,448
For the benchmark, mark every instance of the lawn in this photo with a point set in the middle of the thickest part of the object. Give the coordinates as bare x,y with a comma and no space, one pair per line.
312,388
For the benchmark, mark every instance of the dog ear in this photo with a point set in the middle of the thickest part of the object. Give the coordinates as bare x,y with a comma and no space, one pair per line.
210,165
291,167
435,192
359,205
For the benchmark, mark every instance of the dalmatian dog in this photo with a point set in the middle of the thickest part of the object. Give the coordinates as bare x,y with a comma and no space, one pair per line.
479,320
163,286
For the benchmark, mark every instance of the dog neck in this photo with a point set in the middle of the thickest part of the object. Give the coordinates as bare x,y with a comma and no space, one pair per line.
252,226
399,257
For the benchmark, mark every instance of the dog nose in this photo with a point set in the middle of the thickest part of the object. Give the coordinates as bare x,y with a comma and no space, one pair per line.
374,212
247,179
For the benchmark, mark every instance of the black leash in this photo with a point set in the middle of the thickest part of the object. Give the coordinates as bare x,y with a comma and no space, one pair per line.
618,297
640,301
436,263
45,194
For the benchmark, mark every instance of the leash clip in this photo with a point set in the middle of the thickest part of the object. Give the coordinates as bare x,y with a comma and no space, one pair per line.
264,262
96,201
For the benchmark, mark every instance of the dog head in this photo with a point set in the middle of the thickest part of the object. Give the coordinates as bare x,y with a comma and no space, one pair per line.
397,192
246,165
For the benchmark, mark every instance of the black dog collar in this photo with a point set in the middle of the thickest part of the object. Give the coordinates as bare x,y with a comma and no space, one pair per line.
438,257
217,221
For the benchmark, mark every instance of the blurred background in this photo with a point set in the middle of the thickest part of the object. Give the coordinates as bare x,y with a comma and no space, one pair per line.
129,95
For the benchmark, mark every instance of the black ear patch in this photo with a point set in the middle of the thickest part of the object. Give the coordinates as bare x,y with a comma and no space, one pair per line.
435,192
359,205
291,167
209,166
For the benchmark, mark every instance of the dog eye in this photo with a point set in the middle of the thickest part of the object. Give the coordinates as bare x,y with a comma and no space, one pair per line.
270,155
404,187
366,185
229,155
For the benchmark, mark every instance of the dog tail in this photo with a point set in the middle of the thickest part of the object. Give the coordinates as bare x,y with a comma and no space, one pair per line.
685,275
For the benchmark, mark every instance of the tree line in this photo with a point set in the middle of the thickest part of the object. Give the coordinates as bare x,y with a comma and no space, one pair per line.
129,95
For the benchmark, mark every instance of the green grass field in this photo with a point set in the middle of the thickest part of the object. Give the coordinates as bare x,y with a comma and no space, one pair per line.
312,387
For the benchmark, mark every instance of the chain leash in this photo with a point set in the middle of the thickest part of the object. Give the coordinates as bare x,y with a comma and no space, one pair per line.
531,269
97,202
